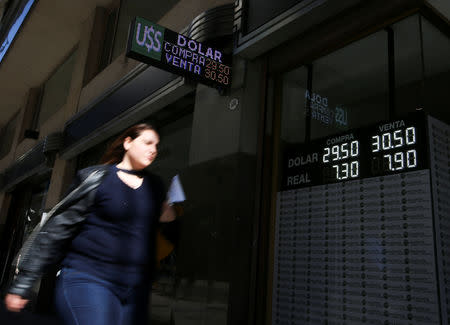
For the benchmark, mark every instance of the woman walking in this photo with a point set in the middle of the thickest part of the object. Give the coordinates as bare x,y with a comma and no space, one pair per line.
103,235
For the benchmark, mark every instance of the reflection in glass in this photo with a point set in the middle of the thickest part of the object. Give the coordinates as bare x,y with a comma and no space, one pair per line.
408,63
422,68
436,49
350,87
293,114
193,281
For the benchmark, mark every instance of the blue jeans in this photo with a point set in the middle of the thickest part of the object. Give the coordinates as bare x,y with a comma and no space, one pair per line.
82,299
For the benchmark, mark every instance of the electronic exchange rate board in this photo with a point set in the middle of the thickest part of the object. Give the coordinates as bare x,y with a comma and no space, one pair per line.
362,233
384,149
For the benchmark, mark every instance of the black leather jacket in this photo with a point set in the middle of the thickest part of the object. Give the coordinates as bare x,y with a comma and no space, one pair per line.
47,243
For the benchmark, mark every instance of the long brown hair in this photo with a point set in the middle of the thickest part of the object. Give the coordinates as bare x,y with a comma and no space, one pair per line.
115,152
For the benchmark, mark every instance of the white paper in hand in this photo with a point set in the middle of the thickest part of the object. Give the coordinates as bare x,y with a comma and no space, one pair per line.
175,193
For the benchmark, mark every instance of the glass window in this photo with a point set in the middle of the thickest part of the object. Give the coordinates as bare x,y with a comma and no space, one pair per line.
327,211
295,100
174,149
343,90
56,89
196,275
350,87
408,63
129,9
436,52
422,68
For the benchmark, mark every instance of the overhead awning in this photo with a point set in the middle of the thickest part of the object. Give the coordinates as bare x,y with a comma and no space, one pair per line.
37,160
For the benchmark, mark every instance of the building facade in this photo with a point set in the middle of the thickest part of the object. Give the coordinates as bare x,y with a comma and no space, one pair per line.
316,183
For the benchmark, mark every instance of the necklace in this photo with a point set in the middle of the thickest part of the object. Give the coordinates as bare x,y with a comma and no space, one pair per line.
139,173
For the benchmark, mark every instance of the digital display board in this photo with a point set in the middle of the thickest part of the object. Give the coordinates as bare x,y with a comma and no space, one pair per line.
161,47
382,149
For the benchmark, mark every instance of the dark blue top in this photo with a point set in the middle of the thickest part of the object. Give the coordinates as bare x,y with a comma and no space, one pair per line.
116,241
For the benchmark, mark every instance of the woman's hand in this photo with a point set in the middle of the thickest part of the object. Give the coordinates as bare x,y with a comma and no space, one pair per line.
15,303
168,213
